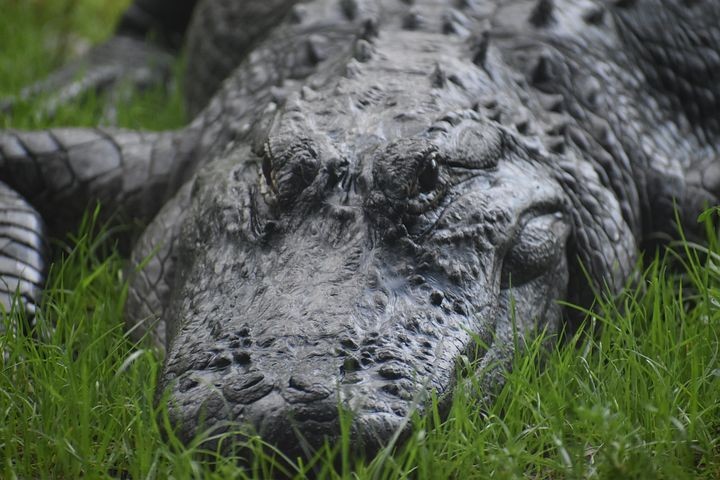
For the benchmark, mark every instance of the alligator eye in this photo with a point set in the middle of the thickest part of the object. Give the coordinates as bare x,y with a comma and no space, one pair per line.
268,173
429,175
536,251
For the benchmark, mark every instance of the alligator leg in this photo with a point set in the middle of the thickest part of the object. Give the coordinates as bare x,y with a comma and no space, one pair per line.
153,263
22,252
127,58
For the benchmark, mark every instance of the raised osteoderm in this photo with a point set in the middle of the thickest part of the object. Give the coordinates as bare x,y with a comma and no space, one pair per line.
371,190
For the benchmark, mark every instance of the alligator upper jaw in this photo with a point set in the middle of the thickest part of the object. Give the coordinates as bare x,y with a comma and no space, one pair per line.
294,381
294,429
298,412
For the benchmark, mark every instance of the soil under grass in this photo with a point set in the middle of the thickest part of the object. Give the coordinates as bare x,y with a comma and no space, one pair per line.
638,399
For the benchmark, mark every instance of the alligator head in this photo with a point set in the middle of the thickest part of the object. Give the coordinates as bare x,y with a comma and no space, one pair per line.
382,228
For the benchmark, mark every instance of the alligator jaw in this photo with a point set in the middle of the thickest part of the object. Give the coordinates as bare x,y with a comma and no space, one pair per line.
286,364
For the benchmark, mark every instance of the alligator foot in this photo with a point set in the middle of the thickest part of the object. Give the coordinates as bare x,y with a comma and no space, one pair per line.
22,255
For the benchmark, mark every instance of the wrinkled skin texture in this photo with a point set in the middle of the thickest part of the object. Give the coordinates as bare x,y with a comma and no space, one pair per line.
378,191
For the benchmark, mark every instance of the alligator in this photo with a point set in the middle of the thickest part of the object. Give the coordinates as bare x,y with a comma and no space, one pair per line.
371,191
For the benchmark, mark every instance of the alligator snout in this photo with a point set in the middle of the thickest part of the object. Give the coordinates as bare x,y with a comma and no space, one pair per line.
295,421
321,333
295,413
298,381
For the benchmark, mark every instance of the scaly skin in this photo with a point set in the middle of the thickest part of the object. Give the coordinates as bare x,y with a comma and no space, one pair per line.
378,190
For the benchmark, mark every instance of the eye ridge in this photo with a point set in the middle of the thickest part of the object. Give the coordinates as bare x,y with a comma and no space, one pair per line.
289,166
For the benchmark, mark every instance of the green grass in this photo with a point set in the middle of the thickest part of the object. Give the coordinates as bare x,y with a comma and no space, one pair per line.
38,36
640,399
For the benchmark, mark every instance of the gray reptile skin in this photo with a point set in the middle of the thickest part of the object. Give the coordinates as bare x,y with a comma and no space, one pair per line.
378,189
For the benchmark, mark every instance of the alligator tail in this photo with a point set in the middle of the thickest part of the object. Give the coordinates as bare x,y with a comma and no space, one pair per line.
63,171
